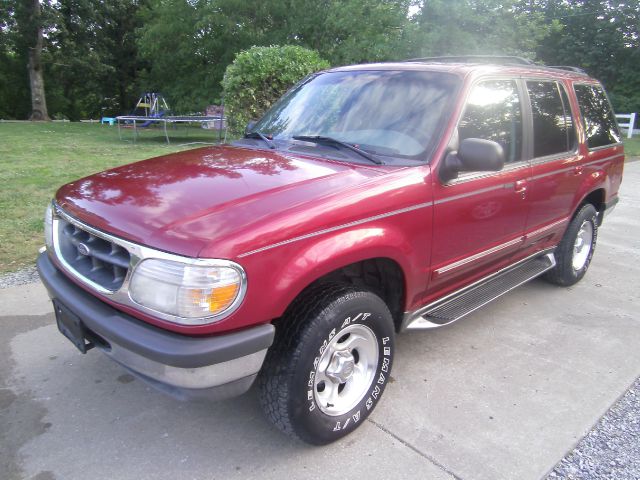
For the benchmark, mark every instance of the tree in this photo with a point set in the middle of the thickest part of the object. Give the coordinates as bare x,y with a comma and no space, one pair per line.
603,37
29,24
96,57
14,87
92,57
36,79
186,46
493,27
188,43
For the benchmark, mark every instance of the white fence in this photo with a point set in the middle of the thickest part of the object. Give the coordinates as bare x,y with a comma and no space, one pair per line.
629,124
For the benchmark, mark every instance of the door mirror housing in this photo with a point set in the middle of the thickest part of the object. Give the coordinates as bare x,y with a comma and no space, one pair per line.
478,155
474,155
250,125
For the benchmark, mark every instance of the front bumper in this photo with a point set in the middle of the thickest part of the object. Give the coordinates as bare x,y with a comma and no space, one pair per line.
215,367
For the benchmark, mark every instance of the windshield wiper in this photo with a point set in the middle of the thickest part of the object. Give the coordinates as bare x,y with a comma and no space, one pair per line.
262,137
320,139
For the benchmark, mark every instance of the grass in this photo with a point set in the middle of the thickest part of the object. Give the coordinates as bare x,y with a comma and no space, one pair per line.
36,158
632,146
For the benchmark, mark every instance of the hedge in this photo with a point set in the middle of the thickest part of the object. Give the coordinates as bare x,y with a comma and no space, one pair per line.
259,76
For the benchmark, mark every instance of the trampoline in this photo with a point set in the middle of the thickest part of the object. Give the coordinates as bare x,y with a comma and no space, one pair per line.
148,120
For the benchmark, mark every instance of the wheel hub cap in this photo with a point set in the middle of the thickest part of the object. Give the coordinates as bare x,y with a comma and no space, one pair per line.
582,245
341,366
345,370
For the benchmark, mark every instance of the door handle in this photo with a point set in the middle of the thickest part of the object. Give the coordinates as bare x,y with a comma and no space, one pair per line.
521,186
577,170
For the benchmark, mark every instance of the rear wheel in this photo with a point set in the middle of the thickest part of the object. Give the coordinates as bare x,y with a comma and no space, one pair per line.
329,364
574,253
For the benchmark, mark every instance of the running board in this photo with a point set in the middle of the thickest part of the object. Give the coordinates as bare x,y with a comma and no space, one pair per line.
462,303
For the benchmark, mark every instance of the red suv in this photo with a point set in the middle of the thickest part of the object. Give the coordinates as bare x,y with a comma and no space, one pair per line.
369,200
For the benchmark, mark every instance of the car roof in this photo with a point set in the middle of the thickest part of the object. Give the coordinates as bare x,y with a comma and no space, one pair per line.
472,69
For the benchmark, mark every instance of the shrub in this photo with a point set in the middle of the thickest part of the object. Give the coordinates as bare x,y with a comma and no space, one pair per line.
625,103
259,76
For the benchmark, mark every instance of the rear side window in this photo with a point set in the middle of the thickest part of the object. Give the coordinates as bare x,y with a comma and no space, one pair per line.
598,119
494,112
552,120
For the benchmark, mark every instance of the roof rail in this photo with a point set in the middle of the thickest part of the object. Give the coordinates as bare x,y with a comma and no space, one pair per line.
568,67
495,59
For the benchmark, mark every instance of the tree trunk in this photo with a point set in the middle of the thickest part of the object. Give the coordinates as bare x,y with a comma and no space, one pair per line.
36,79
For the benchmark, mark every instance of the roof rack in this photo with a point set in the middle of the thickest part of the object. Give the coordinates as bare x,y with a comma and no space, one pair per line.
568,67
495,59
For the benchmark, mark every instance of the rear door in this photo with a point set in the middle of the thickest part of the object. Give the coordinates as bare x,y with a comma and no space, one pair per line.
556,170
479,218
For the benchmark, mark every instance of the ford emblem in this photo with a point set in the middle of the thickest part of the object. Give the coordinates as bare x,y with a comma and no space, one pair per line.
83,249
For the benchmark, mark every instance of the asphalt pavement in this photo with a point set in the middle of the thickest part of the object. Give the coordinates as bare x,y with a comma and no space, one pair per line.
506,393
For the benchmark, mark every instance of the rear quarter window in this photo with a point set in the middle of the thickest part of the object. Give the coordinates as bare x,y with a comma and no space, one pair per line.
598,119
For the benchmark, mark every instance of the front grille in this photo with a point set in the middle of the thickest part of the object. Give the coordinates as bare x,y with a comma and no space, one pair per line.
93,258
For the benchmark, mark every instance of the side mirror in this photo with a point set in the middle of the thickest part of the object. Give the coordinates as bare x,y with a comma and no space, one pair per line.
474,155
250,125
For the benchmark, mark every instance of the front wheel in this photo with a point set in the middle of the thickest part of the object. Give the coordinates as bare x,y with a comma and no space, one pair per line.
574,253
329,364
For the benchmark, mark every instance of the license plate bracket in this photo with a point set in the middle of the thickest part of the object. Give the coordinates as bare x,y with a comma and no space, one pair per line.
71,326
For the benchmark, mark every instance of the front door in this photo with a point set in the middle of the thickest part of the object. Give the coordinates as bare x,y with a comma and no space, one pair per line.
479,218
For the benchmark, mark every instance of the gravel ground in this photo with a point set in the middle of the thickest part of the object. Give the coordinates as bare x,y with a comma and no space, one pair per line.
612,449
19,277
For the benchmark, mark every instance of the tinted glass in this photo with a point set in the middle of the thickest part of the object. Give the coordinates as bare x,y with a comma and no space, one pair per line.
493,112
395,113
597,116
551,122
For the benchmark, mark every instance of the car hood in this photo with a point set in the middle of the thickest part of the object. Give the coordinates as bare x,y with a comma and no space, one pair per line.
225,198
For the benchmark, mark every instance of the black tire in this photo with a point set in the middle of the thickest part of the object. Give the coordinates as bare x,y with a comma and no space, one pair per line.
312,327
565,273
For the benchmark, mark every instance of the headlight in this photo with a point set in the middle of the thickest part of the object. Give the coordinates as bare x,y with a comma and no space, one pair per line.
48,226
194,294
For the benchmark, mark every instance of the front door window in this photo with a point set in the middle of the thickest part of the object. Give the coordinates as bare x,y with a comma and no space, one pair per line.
494,112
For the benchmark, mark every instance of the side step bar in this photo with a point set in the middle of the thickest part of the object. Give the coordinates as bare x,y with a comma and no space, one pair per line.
460,304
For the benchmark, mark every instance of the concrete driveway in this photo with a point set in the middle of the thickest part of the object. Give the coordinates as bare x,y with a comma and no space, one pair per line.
505,393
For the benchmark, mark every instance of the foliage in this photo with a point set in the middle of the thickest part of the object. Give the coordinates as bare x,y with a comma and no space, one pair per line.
18,29
90,57
259,76
602,37
188,44
93,58
99,56
488,27
185,59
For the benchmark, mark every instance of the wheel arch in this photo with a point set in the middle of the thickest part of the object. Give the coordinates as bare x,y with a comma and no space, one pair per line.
379,257
597,198
379,269
381,275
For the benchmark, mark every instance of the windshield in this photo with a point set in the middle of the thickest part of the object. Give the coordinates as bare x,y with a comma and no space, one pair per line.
392,113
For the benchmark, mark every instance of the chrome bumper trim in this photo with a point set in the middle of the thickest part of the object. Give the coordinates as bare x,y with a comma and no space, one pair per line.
205,377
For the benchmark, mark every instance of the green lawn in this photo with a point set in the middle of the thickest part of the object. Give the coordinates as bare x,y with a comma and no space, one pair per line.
632,146
36,158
